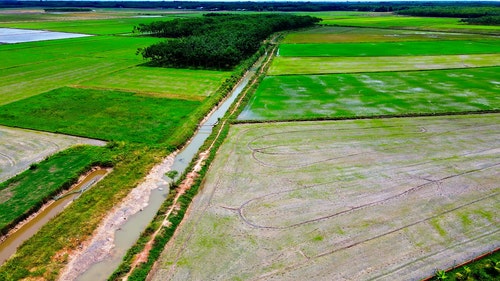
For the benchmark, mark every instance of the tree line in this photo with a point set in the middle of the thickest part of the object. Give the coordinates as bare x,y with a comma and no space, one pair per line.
451,11
219,41
471,15
485,20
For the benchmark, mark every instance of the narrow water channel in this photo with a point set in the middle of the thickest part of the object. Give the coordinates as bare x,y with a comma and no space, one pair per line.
8,246
130,231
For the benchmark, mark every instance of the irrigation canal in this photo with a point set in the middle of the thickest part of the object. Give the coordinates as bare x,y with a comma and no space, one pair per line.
16,238
132,228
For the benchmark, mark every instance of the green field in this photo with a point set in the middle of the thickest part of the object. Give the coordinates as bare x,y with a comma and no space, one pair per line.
108,115
32,188
372,94
107,62
338,34
390,49
96,27
329,65
32,68
10,17
162,82
420,23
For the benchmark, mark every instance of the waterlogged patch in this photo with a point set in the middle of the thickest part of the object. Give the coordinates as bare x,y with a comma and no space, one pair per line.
14,35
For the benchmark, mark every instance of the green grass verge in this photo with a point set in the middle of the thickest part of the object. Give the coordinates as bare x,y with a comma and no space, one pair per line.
486,268
390,49
27,192
372,94
163,82
329,65
108,115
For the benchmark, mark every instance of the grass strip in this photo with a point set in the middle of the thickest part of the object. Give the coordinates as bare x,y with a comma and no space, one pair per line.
486,267
390,49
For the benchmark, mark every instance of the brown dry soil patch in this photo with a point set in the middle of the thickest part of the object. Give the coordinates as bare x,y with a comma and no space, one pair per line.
343,200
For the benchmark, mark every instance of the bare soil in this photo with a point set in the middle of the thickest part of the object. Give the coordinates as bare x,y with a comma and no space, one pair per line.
344,200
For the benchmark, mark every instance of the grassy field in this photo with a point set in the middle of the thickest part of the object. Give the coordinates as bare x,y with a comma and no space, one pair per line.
329,65
86,26
390,49
107,62
29,190
108,115
32,68
9,16
162,82
321,200
339,34
372,94
388,20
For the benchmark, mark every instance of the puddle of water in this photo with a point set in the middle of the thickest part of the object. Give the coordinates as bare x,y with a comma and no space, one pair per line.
14,35
130,231
9,246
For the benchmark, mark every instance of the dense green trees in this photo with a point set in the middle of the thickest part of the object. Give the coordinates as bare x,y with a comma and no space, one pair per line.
215,40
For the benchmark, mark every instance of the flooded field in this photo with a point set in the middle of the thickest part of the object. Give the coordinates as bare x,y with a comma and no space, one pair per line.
20,148
321,200
14,35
